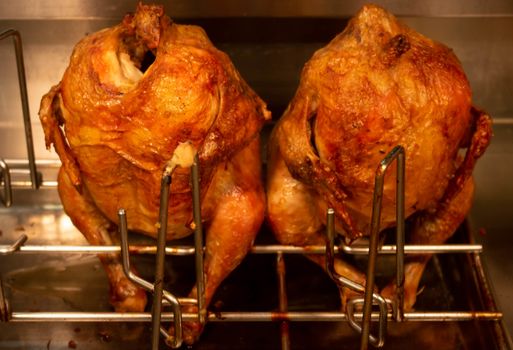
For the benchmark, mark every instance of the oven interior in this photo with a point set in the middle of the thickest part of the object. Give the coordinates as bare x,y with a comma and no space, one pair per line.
269,42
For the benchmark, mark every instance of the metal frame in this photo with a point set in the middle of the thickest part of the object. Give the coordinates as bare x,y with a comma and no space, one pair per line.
22,81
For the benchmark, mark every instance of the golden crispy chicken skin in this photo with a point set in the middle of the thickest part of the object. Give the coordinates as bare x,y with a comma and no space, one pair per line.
376,85
115,120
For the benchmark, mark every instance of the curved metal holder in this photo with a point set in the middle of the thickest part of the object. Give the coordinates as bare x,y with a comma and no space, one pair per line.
342,281
34,176
176,341
370,297
157,287
4,250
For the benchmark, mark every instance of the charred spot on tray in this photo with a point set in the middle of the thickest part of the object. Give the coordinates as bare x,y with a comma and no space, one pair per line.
105,336
72,344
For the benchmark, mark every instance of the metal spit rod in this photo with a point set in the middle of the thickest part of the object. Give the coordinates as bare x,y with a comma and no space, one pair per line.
18,49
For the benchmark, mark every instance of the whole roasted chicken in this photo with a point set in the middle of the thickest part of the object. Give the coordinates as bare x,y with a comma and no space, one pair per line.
376,85
131,95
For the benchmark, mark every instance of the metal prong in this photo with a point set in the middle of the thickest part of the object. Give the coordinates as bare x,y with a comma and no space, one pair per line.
369,295
158,285
400,240
125,257
198,240
34,176
5,176
15,246
340,280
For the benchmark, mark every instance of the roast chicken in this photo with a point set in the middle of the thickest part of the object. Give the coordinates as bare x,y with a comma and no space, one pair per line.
376,85
131,95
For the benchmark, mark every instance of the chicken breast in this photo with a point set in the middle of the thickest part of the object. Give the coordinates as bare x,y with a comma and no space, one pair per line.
376,85
130,96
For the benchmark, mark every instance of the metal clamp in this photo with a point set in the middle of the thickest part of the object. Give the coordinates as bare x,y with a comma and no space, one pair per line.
34,176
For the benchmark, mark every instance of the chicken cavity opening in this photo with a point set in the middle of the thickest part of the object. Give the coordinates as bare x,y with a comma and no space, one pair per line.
134,59
312,134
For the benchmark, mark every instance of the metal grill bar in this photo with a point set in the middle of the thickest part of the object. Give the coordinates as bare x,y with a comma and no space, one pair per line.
259,249
323,316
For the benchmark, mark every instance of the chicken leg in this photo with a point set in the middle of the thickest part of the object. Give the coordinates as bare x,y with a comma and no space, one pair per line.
438,226
294,217
237,203
124,295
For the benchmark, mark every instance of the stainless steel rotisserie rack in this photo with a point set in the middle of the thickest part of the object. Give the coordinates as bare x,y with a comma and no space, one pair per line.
276,299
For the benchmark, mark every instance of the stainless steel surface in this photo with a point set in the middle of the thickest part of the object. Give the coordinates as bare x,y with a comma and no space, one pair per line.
269,43
48,9
22,82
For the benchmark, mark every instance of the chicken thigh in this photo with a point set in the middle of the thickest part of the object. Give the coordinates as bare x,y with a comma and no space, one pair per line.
376,85
130,96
